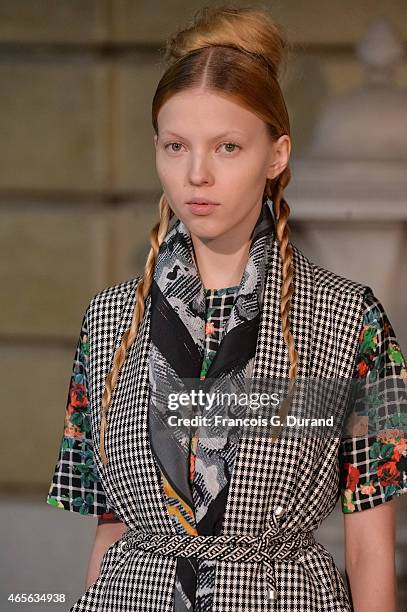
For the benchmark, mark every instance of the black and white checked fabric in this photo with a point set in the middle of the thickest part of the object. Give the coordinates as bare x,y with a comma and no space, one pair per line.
295,473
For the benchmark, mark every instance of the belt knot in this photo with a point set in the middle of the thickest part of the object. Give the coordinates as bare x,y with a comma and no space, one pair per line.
271,544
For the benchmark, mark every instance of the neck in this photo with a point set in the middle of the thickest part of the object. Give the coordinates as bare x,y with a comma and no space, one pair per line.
221,261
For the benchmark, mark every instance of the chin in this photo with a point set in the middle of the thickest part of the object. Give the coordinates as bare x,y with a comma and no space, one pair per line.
202,227
205,231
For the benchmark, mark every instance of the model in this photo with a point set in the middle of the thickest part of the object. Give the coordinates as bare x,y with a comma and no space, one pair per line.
224,523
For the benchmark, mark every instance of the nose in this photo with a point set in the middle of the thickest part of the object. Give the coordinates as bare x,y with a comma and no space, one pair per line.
199,171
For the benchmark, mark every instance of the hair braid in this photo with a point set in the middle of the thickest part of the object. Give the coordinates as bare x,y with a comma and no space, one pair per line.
157,235
274,190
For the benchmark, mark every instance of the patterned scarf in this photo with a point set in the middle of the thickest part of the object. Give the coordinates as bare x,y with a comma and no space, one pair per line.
178,319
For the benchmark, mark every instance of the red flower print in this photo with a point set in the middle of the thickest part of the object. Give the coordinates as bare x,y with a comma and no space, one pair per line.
367,488
78,396
388,474
389,436
401,446
348,504
362,368
352,476
209,328
395,456
71,430
395,437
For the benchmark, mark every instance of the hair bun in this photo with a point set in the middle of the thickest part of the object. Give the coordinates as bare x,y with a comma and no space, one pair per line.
247,29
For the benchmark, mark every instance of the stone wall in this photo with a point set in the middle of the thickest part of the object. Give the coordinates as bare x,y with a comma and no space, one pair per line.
78,187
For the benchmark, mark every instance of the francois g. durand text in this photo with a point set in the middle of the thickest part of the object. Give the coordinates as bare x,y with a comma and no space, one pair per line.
219,420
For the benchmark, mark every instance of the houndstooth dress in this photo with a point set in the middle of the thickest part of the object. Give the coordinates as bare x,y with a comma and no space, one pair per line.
278,495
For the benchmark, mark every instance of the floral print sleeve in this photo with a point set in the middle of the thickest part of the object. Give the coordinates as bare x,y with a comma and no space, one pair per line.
76,485
373,451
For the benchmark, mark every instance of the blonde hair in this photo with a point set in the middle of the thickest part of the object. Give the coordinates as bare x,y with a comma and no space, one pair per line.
226,50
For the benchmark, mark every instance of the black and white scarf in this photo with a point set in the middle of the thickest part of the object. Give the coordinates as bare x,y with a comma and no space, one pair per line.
178,318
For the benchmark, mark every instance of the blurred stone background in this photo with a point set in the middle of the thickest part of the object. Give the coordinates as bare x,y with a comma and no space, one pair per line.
79,194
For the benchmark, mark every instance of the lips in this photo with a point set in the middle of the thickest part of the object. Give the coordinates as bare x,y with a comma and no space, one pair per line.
202,201
201,206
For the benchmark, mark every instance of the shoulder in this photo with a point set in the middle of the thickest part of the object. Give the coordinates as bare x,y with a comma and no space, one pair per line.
329,283
113,296
118,290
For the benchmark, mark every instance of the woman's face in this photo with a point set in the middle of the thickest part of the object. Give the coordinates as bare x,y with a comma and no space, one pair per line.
210,147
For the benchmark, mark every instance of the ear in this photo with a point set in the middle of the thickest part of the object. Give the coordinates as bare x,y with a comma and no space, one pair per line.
280,155
155,138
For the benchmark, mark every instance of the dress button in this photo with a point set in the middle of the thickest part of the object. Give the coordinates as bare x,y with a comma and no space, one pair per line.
278,510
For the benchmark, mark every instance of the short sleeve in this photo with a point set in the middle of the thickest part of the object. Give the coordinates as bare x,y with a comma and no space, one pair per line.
76,484
373,449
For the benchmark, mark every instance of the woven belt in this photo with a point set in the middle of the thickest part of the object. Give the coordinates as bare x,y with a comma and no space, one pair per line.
270,544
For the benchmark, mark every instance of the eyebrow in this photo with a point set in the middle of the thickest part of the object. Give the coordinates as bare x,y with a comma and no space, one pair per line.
222,135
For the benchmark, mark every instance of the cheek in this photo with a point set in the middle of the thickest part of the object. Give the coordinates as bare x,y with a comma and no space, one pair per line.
245,185
170,175
246,173
171,184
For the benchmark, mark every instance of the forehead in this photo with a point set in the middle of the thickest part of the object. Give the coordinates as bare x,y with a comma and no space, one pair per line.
207,113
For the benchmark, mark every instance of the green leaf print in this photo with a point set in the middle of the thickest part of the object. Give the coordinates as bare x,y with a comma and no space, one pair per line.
81,420
368,342
67,444
395,354
375,450
381,451
398,420
373,317
387,451
209,313
83,503
390,490
85,346
52,501
87,472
